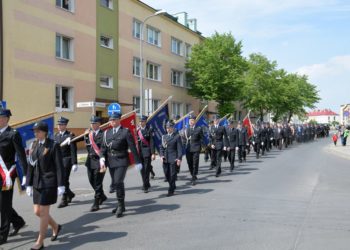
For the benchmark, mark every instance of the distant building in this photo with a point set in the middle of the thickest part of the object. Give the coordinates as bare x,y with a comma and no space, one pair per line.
323,116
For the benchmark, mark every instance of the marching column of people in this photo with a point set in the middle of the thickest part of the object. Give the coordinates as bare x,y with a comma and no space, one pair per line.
51,161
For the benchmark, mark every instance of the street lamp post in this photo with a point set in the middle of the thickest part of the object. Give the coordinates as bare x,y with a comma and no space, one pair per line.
141,57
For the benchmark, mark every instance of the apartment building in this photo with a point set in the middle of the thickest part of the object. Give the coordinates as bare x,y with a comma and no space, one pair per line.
49,58
55,54
166,44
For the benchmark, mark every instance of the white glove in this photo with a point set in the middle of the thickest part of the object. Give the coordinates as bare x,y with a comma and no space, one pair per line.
262,144
24,181
138,167
75,167
224,148
66,141
29,191
253,142
271,138
213,146
228,149
237,148
61,190
102,162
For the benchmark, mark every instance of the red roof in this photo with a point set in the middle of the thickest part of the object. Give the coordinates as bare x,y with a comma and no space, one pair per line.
325,112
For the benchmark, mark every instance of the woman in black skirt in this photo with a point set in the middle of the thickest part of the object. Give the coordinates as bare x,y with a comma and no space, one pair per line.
44,180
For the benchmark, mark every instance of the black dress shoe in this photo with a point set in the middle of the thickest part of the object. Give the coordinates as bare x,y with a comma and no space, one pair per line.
145,190
193,182
103,199
111,190
70,197
42,247
54,237
2,240
16,229
170,194
63,204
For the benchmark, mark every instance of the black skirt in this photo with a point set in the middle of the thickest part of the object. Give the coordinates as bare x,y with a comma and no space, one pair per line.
44,196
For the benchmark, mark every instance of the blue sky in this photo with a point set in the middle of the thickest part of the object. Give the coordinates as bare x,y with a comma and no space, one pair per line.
310,37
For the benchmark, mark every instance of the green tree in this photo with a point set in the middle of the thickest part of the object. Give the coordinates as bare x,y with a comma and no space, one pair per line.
259,93
296,94
215,71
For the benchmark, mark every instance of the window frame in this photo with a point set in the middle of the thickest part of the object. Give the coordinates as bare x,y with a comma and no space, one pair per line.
110,81
178,108
111,42
135,101
71,6
154,31
110,4
180,77
134,66
70,99
134,23
179,46
159,71
70,48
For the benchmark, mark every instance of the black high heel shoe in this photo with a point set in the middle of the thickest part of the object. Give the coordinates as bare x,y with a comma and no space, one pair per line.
54,237
42,247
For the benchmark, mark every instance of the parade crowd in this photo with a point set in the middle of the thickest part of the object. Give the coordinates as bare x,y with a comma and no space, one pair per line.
50,162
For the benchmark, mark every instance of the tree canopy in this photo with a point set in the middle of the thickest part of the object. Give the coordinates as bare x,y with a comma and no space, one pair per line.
217,71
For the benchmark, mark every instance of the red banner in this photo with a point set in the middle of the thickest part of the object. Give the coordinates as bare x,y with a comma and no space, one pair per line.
130,123
248,125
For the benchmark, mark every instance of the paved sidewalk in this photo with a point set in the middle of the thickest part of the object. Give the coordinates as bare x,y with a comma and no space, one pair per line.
339,150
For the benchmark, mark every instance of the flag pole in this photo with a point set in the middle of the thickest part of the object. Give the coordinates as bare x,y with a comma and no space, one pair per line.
32,119
182,118
201,113
159,108
223,117
103,126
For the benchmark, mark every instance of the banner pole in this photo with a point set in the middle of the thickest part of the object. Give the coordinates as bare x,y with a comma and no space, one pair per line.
159,108
182,118
200,114
103,126
32,119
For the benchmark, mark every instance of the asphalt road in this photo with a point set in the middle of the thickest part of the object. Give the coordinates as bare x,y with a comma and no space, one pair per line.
297,198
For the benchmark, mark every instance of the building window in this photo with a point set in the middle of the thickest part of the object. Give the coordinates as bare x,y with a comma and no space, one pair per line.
136,66
153,71
177,109
176,78
156,104
235,115
106,81
136,29
151,105
64,98
64,47
239,115
186,84
188,50
136,104
106,42
107,3
188,108
66,4
176,46
153,36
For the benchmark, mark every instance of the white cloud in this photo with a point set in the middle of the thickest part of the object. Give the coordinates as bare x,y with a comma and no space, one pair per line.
332,78
333,67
